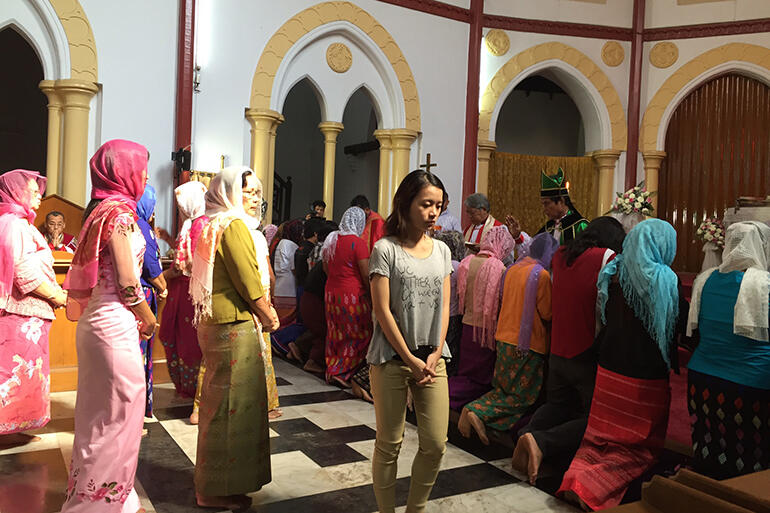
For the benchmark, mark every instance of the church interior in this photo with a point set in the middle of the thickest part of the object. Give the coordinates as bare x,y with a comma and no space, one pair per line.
328,100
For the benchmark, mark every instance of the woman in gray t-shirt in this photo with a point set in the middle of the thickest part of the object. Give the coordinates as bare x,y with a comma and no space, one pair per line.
410,288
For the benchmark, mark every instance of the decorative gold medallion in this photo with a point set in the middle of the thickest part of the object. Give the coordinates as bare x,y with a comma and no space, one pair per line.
613,54
338,57
664,54
497,42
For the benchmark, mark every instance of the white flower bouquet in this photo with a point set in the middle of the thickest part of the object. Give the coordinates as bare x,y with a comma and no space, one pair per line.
634,201
712,230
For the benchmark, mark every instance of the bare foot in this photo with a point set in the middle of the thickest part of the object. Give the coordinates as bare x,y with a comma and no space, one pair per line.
574,498
16,439
341,382
534,456
478,427
234,502
359,392
311,366
520,458
464,424
295,353
194,418
274,414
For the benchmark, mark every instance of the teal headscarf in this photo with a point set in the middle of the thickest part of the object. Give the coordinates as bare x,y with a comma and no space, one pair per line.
649,285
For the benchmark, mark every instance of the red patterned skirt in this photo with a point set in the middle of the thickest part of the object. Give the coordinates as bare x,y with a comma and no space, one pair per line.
348,332
625,433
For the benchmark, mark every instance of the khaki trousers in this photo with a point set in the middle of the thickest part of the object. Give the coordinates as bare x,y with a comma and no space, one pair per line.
389,382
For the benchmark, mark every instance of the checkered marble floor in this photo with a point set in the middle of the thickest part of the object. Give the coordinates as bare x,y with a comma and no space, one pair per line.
321,460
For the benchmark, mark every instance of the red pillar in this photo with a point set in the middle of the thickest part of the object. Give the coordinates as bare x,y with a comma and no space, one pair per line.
184,79
472,104
634,91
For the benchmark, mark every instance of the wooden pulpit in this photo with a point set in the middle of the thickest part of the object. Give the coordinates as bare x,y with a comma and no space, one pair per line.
63,352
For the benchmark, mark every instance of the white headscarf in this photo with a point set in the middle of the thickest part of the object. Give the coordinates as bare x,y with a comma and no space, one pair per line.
260,242
224,204
353,223
190,200
747,248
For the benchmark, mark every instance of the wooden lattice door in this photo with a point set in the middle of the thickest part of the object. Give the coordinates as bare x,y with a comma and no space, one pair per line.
718,148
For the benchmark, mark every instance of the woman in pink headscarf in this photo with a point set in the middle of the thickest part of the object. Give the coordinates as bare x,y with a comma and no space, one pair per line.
28,296
106,298
478,290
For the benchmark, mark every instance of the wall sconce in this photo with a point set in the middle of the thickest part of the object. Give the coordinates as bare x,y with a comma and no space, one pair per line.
197,79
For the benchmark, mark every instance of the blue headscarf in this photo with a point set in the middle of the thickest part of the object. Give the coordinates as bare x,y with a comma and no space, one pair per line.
146,204
650,286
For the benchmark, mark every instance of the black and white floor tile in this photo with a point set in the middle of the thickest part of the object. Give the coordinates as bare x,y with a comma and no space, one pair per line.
321,460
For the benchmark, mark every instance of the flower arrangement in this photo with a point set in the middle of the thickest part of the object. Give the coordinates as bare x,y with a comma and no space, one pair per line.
634,201
712,230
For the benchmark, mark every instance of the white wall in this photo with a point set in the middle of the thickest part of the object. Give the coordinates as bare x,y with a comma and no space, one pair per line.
667,13
137,56
232,34
614,13
540,124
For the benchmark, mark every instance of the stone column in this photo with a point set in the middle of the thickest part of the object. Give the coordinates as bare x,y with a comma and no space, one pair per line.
263,125
76,101
485,152
384,202
330,130
401,140
267,188
652,162
54,136
605,161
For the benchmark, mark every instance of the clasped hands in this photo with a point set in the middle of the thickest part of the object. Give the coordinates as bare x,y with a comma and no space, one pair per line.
424,373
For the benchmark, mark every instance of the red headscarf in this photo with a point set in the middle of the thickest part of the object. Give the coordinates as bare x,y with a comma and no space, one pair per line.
118,177
15,203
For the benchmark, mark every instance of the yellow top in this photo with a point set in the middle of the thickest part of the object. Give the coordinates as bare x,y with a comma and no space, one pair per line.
236,279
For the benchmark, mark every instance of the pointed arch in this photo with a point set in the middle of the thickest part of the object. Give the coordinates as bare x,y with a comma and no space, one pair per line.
747,59
596,97
323,19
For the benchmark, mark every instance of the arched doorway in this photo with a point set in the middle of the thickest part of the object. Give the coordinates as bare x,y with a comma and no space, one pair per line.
540,127
23,108
540,118
358,158
718,148
299,154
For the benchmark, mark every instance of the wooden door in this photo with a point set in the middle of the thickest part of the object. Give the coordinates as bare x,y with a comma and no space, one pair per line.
718,148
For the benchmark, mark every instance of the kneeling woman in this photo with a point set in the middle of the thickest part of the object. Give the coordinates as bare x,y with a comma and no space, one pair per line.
522,343
639,304
410,285
233,442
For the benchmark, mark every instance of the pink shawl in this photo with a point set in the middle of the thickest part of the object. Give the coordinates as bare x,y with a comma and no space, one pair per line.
496,244
15,203
118,177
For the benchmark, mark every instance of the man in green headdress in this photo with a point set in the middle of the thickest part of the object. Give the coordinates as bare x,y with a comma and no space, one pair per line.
564,221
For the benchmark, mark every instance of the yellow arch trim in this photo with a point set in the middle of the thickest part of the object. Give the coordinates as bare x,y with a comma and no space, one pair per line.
80,36
575,58
653,114
312,18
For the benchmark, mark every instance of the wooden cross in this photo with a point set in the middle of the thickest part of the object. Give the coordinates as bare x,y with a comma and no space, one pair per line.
428,164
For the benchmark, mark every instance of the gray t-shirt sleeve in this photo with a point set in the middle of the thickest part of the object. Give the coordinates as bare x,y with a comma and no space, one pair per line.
381,259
